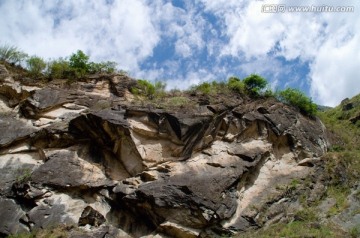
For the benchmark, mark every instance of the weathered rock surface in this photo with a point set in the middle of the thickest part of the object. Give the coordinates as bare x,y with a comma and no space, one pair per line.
82,154
12,218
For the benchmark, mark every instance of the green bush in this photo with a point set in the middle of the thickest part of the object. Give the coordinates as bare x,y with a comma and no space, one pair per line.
36,66
102,67
211,88
236,85
79,62
58,68
254,84
149,90
12,54
204,88
298,99
144,88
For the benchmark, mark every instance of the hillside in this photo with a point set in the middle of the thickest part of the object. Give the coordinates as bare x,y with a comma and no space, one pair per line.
337,209
107,155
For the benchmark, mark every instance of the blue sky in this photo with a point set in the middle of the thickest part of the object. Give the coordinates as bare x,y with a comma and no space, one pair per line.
186,42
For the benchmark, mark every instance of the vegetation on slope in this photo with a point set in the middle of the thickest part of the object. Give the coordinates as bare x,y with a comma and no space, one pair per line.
76,66
341,173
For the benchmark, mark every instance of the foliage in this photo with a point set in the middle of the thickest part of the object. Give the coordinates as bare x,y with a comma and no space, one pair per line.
355,232
23,175
298,99
254,84
337,121
61,231
204,88
58,68
269,93
79,60
36,65
144,88
159,89
340,194
307,214
236,85
79,63
12,54
295,229
102,67
210,88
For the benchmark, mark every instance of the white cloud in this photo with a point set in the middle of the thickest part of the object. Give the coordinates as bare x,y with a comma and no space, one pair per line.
335,71
128,32
322,39
122,32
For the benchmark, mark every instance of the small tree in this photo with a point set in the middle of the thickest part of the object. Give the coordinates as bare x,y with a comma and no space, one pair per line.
254,84
36,65
79,63
298,99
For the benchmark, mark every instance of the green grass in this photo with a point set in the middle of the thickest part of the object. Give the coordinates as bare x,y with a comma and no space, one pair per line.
55,232
337,121
295,229
340,195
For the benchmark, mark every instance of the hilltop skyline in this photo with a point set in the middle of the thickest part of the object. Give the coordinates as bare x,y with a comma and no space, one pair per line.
189,42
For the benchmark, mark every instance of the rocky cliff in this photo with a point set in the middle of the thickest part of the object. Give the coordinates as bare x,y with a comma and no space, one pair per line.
85,154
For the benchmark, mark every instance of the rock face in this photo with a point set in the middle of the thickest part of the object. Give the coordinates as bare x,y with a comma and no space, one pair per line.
84,155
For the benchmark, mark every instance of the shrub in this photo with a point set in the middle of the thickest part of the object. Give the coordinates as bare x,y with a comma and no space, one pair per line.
236,85
204,88
144,88
298,99
79,63
160,89
58,68
79,60
102,67
36,66
12,54
210,88
254,84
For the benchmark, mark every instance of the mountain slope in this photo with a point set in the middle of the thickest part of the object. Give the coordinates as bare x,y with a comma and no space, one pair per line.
336,211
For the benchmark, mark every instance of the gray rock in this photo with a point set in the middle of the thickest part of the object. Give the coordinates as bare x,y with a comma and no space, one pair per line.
16,168
13,129
65,169
59,209
12,218
107,231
